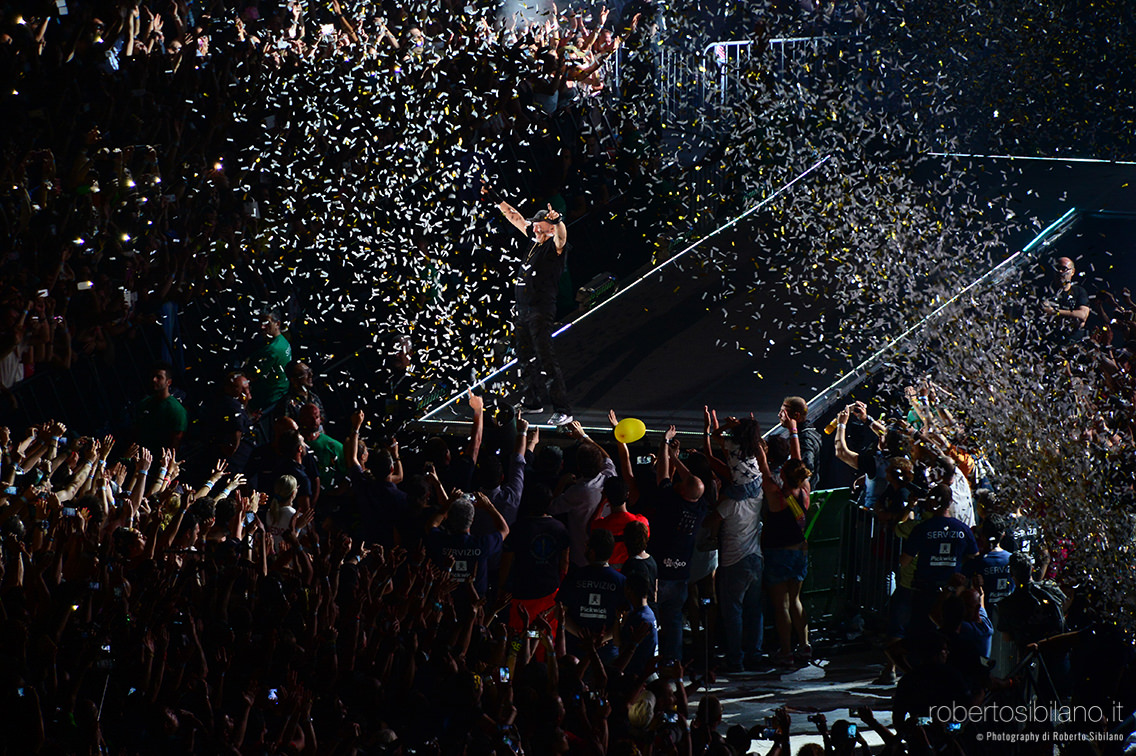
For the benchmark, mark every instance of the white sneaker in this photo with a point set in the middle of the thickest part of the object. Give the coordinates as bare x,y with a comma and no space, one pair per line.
559,419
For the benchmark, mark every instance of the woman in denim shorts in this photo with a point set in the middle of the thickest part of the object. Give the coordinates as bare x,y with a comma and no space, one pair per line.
786,551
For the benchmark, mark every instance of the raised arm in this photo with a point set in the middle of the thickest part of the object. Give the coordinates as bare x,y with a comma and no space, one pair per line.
561,229
511,213
663,464
138,490
338,11
591,38
477,404
794,439
676,464
214,479
351,440
397,472
81,475
576,431
481,501
440,495
625,470
860,410
768,482
916,405
509,500
843,453
710,430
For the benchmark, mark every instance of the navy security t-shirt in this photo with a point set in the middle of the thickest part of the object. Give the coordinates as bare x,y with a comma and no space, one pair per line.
994,566
471,554
646,650
536,544
673,527
940,545
593,595
1024,535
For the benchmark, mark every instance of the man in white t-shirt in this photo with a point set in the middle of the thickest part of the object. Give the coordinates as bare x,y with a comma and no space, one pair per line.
962,499
740,562
945,470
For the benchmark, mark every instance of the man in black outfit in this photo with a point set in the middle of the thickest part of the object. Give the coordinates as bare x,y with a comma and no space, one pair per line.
229,428
537,283
1066,304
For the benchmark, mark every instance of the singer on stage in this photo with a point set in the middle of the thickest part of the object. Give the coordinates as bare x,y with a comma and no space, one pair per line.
537,284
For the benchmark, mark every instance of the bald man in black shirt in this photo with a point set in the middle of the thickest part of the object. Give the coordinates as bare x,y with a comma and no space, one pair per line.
1066,304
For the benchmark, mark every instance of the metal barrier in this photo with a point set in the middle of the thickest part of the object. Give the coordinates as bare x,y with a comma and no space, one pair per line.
724,62
852,559
786,50
869,561
693,86
721,62
823,592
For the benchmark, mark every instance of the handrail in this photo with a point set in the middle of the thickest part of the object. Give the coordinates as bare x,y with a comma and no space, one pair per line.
772,42
731,43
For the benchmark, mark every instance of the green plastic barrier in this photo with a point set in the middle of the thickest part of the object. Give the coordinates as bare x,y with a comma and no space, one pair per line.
823,593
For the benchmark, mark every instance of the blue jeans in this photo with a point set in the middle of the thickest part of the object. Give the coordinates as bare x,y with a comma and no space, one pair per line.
740,599
899,611
672,597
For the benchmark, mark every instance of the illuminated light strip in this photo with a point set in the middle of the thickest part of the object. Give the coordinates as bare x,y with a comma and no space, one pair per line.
1033,157
632,285
857,372
713,233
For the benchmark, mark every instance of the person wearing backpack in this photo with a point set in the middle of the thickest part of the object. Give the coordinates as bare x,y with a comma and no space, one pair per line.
1030,615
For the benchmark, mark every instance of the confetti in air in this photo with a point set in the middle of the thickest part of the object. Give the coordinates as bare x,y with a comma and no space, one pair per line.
366,167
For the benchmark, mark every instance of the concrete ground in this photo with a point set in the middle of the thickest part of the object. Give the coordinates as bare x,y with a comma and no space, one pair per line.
833,685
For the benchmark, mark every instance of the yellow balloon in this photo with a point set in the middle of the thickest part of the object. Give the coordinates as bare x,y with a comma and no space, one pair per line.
629,430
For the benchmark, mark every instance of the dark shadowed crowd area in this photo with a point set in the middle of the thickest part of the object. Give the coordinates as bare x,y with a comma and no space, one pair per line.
267,216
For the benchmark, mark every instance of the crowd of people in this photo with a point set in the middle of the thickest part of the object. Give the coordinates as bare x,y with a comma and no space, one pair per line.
991,600
496,593
227,576
127,183
468,605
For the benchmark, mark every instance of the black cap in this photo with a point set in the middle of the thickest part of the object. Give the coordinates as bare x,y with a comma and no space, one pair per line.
541,216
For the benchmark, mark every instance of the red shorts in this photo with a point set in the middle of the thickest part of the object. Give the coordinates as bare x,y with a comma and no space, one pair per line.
535,607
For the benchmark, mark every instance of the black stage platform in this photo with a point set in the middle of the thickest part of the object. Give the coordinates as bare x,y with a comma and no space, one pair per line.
659,352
